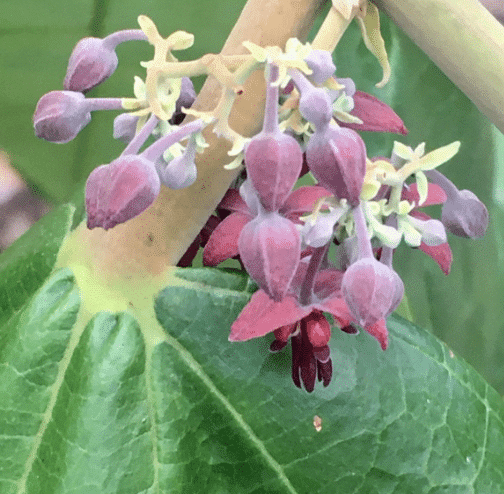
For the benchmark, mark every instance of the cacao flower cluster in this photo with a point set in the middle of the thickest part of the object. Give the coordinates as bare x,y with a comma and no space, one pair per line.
298,282
361,207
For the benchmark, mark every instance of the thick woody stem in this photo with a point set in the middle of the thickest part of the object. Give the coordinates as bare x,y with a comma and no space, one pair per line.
157,238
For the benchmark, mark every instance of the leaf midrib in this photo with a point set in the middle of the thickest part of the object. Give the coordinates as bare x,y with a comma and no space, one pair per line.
154,337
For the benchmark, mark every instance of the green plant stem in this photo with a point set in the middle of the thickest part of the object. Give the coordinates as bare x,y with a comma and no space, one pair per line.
464,40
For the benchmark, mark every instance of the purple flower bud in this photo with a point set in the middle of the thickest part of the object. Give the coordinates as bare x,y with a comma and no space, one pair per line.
180,171
273,163
320,61
371,290
60,116
349,85
249,195
337,159
432,231
273,159
315,103
317,232
125,126
315,106
120,191
465,215
270,249
92,61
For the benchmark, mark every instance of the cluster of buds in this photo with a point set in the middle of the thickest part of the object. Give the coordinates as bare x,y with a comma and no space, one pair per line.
124,188
281,234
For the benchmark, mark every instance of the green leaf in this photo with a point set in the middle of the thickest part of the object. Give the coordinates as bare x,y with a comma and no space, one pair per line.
30,260
35,43
464,308
132,402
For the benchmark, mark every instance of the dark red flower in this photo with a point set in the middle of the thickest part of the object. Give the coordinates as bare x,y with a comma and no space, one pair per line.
223,242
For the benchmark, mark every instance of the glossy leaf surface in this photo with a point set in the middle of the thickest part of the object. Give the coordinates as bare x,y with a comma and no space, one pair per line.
105,403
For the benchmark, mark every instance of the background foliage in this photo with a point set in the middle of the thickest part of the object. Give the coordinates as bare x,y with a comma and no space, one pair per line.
195,410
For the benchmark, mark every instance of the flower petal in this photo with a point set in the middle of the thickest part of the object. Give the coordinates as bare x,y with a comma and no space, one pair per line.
232,201
376,115
262,315
223,242
442,254
303,200
379,331
435,195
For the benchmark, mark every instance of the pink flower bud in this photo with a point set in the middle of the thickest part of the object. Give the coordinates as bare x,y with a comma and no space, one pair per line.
371,290
270,249
465,215
120,191
273,159
273,163
337,159
92,61
60,116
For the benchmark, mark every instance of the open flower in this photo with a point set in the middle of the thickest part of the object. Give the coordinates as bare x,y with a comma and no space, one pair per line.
305,326
441,253
223,242
302,324
311,356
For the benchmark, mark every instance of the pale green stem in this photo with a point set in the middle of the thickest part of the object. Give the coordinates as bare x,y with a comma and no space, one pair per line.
464,40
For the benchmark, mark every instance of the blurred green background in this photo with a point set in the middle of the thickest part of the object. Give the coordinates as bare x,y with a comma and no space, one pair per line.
465,309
